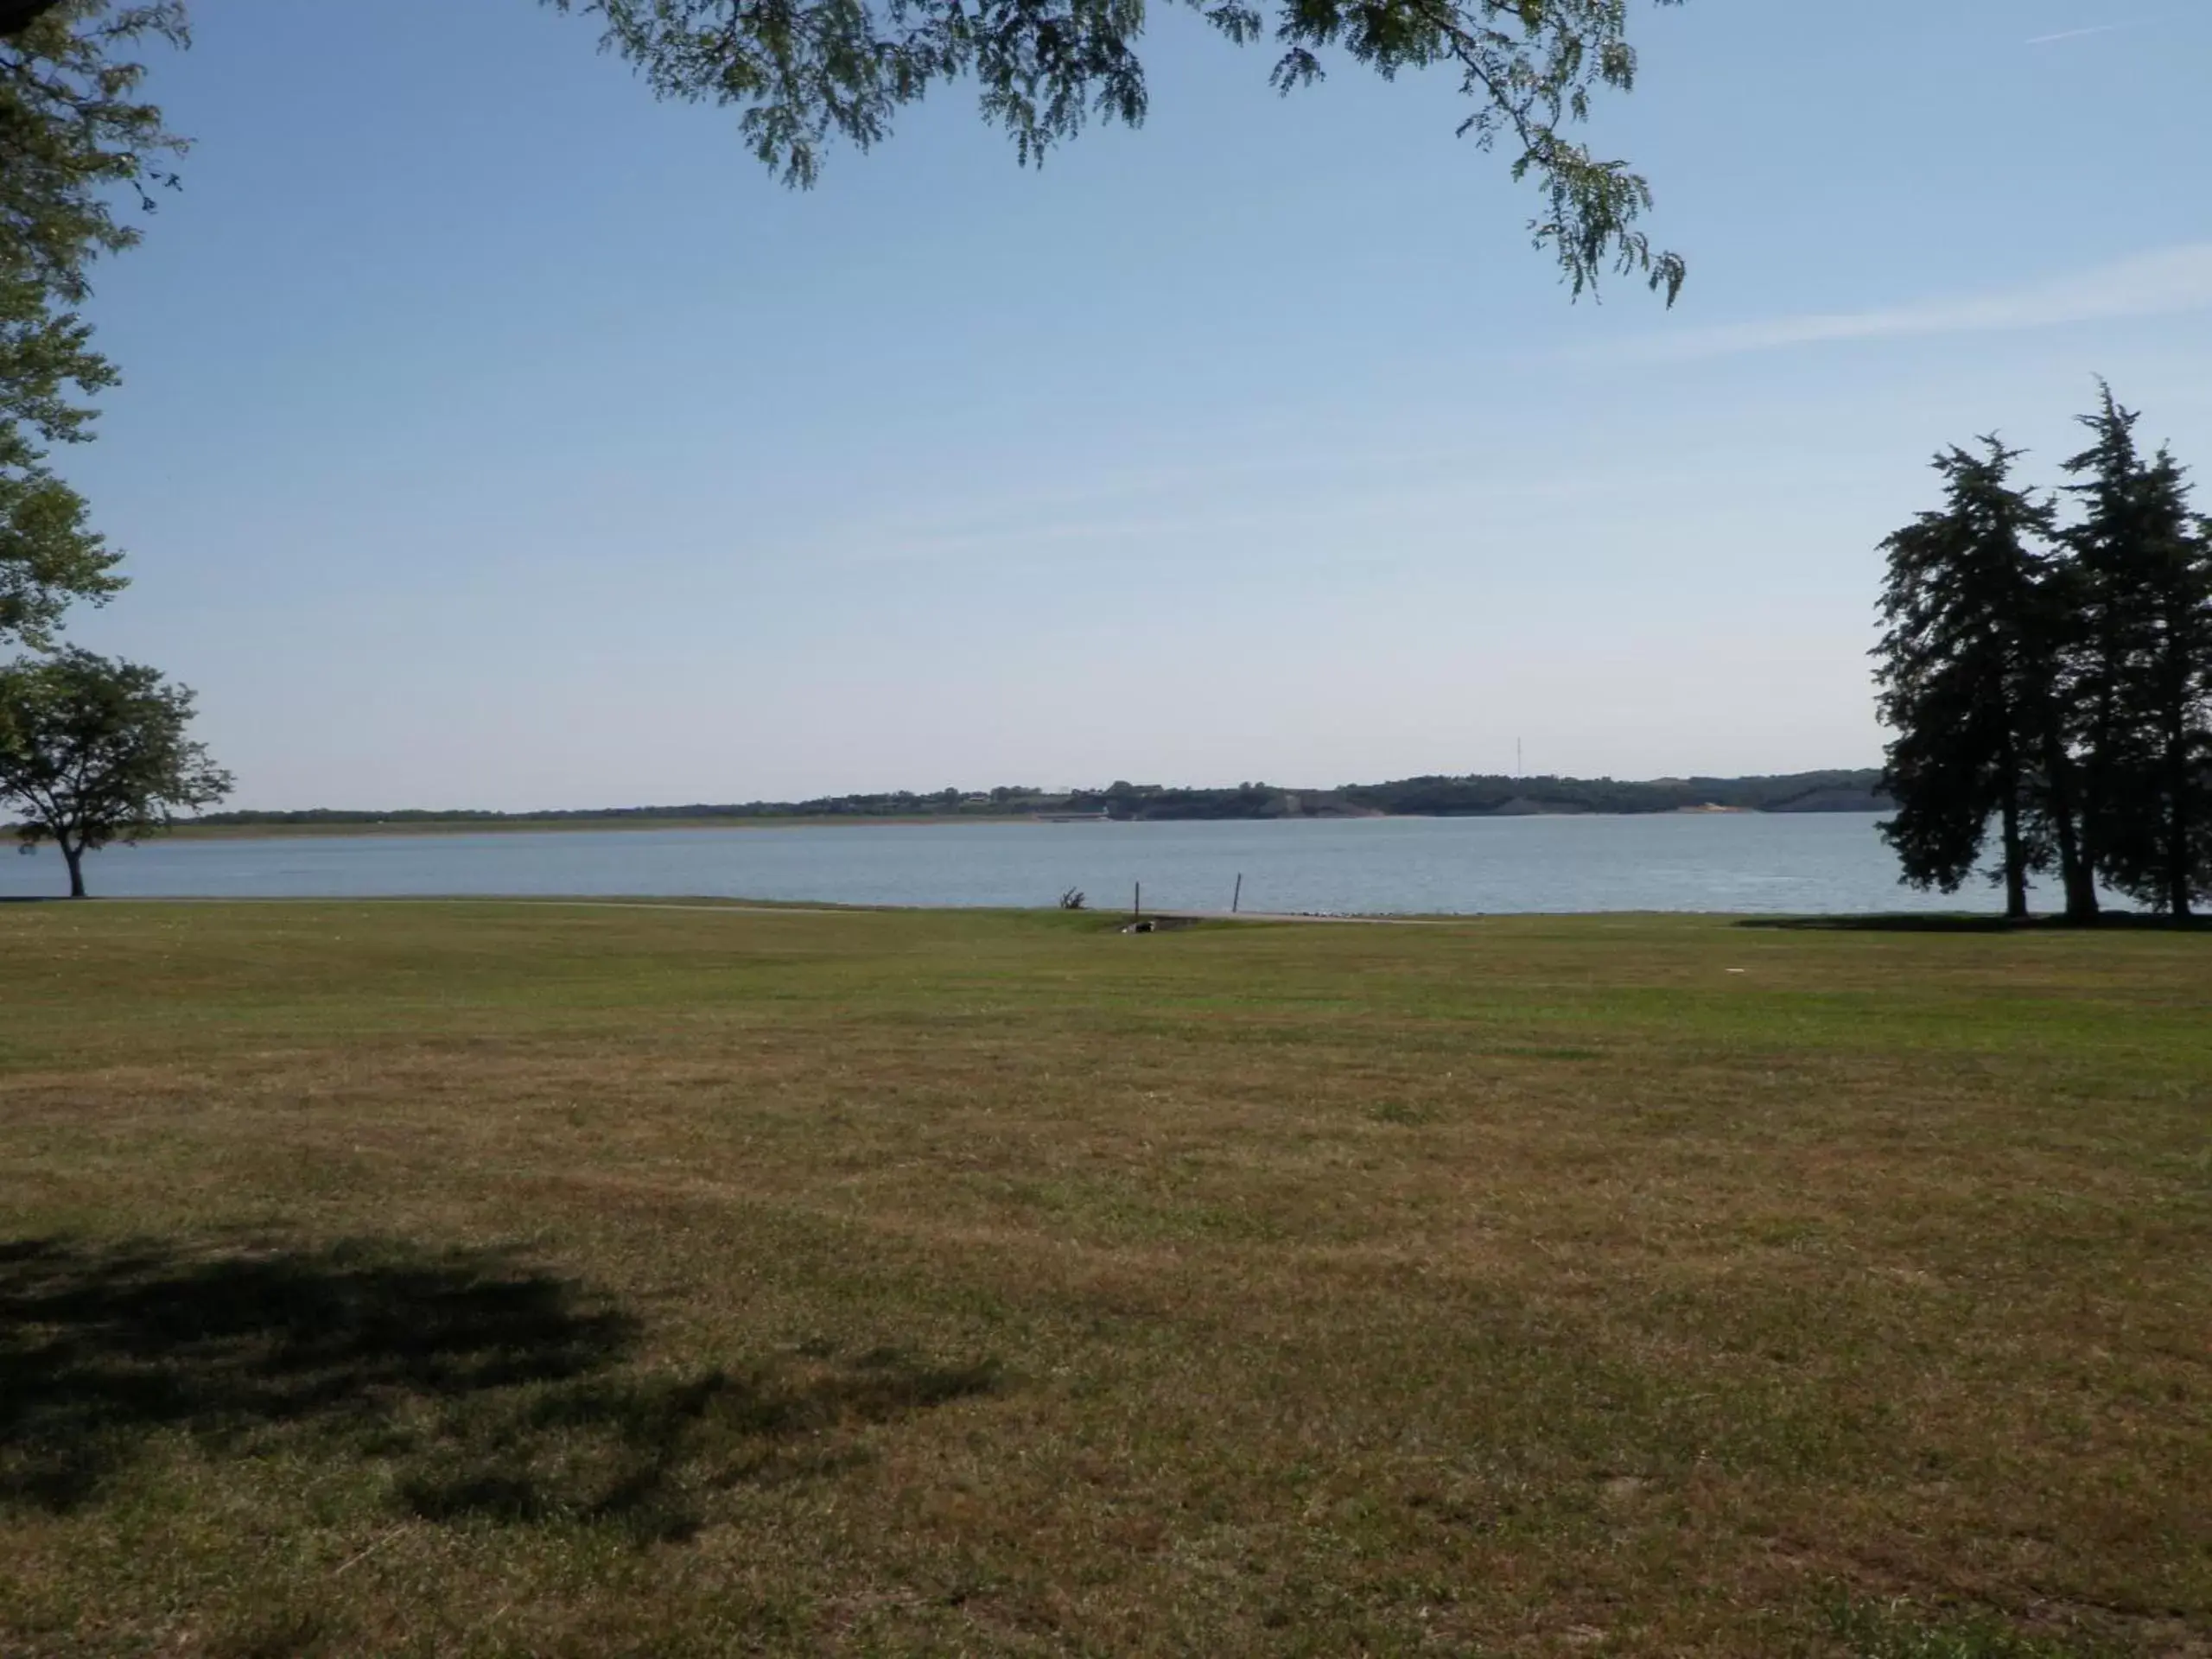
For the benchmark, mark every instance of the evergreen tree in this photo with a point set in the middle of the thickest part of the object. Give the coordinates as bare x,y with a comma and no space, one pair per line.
1967,675
2141,680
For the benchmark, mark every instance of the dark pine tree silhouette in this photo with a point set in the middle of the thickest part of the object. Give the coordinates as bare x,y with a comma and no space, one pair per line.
1968,669
2140,677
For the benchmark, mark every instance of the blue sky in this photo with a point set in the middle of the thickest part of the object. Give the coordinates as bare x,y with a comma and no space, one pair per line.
496,437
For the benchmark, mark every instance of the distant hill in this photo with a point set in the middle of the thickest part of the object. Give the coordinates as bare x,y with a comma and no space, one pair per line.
1486,796
1466,797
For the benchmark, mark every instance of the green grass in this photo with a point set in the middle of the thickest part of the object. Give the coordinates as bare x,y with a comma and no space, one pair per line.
535,1279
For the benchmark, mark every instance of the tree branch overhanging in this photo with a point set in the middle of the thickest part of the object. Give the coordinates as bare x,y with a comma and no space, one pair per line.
803,73
16,15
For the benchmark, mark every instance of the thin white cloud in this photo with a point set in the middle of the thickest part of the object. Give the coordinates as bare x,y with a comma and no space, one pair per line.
2165,284
2079,34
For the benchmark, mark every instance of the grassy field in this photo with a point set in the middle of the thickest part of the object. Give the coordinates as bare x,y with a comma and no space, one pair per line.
531,1279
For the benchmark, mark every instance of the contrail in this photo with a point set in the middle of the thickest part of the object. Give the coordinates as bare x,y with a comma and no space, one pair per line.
2079,34
2165,282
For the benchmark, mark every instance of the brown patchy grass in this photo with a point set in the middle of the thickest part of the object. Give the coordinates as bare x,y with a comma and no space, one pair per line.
482,1279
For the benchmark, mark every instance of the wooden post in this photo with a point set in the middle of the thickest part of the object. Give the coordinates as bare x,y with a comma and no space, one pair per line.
1137,904
1238,898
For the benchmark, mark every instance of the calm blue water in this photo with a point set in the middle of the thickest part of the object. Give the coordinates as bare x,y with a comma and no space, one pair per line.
1786,863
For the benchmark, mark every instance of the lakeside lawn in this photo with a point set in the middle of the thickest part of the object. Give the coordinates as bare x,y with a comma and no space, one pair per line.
541,1279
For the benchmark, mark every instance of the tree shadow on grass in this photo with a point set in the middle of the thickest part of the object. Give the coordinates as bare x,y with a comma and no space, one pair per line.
1898,923
2121,920
473,1385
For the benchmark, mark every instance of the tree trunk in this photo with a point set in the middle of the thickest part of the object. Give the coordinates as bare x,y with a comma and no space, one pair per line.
2073,866
74,857
2016,858
2096,766
2179,819
2080,881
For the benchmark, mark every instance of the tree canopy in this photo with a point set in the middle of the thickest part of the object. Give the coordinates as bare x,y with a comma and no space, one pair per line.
48,554
2142,663
2055,676
1965,669
74,133
71,133
94,751
801,72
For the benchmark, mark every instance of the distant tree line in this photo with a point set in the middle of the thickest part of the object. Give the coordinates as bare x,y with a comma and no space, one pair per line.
1477,797
1435,797
2048,673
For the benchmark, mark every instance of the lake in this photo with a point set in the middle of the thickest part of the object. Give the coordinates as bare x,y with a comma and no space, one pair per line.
1788,863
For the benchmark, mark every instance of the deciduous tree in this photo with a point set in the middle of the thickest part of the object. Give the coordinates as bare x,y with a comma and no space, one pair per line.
48,554
801,72
73,135
94,751
75,138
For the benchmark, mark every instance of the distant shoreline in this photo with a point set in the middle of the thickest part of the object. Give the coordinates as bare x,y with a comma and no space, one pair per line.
192,830
1470,796
424,827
